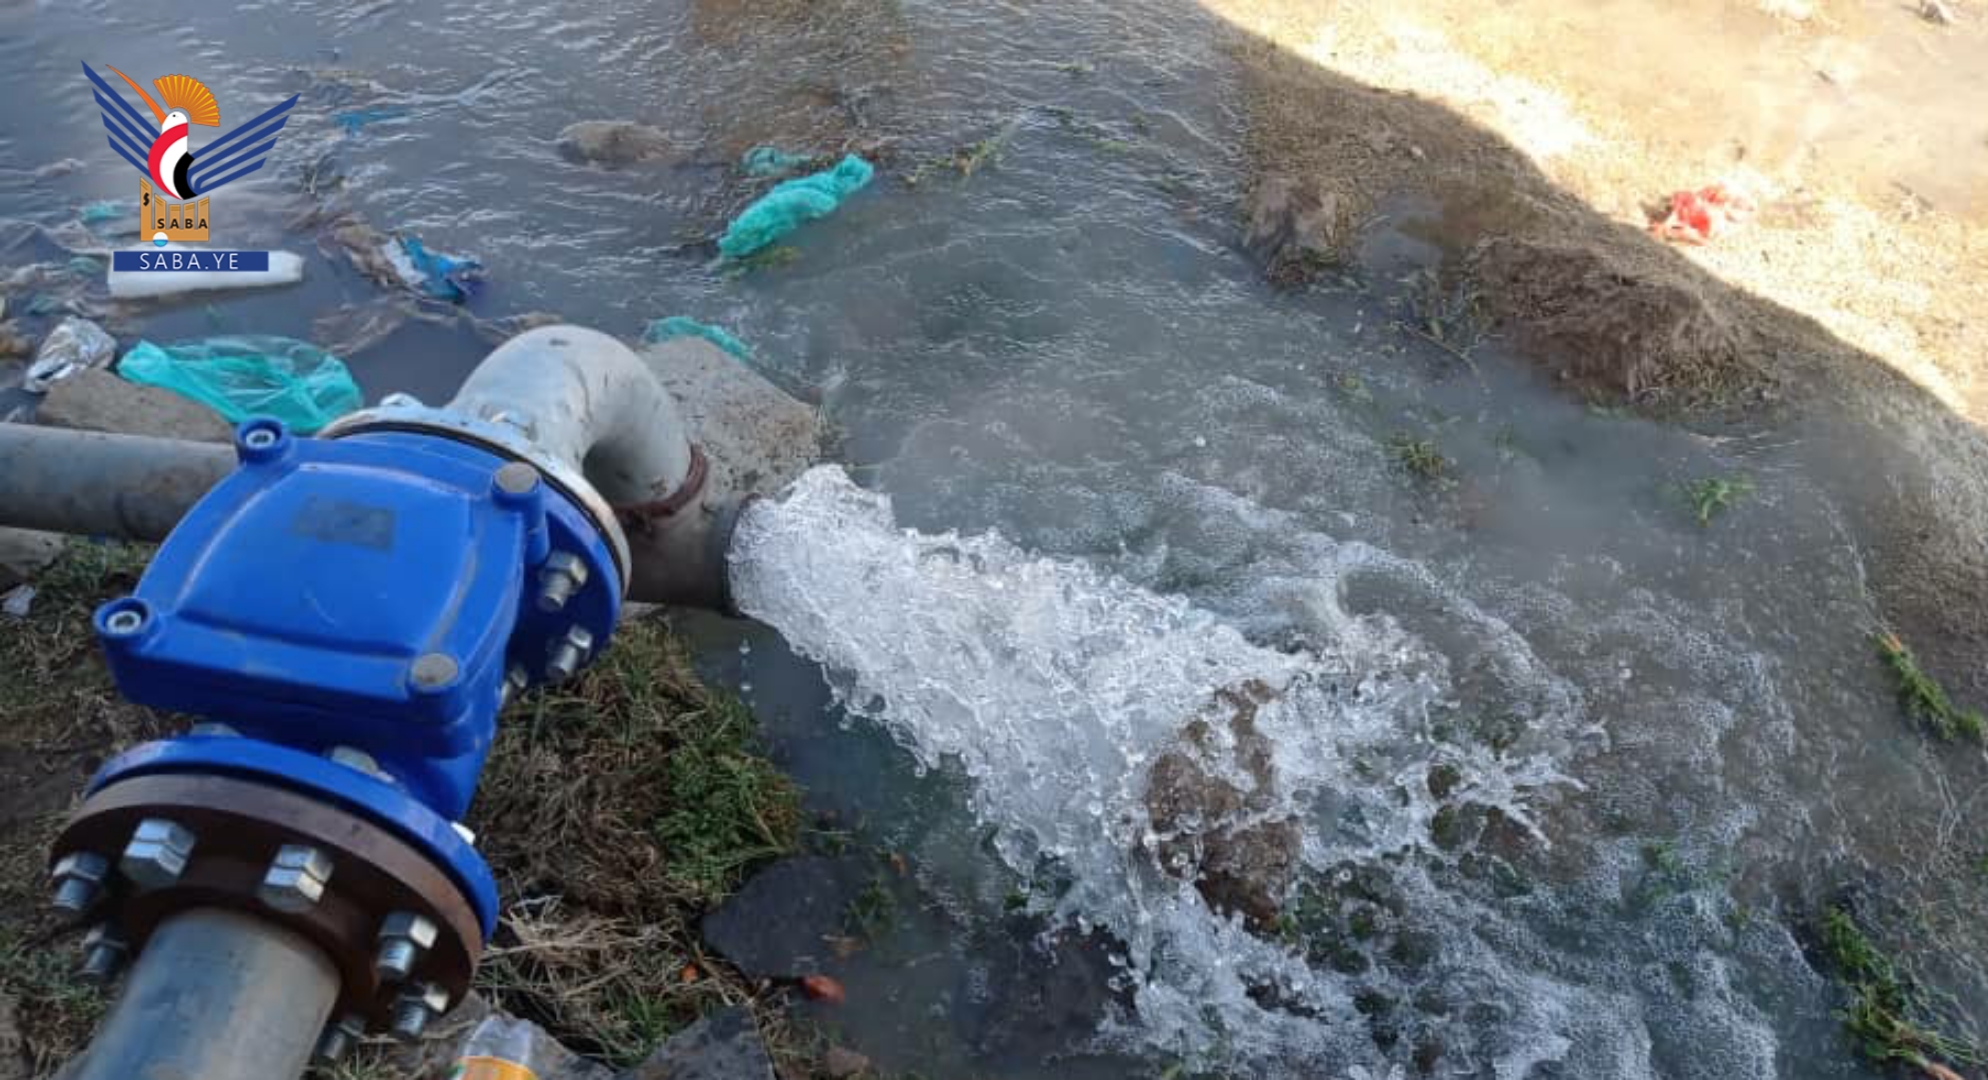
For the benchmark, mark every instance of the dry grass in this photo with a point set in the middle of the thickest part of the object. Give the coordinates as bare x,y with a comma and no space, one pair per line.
616,812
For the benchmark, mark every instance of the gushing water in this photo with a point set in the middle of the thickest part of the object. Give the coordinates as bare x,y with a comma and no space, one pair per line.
1056,688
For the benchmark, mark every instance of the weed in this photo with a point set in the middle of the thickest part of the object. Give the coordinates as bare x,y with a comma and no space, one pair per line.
1450,318
1924,698
1354,387
1887,1017
58,1010
872,910
968,159
1420,458
1714,495
771,258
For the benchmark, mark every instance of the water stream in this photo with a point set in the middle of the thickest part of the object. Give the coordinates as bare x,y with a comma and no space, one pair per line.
1569,769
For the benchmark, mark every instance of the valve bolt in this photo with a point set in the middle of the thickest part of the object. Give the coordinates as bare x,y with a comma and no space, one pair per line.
103,954
434,671
514,681
413,1010
79,880
296,879
157,853
563,574
354,758
405,937
338,1039
568,654
517,478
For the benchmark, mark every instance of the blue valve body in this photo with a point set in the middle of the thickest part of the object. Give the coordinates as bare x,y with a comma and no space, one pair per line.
371,592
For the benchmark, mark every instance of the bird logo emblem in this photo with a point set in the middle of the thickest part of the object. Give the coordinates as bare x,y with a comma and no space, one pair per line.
172,167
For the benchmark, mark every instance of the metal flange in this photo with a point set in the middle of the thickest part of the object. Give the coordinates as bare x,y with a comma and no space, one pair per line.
244,830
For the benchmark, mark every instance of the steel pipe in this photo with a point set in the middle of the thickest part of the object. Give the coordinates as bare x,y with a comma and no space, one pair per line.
584,398
91,484
134,487
215,995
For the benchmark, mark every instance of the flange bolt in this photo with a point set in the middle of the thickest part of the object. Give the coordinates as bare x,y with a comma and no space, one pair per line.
104,950
413,1010
405,937
295,879
568,654
79,881
338,1039
563,574
157,853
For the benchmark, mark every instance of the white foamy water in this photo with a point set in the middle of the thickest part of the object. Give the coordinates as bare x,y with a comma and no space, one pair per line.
1054,686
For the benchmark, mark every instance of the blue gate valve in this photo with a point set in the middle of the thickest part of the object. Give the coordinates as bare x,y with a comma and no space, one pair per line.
346,618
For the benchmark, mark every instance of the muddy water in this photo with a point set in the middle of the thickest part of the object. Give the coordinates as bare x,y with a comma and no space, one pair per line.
1682,726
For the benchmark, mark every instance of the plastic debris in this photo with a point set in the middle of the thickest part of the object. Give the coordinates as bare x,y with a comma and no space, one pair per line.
18,601
793,203
823,988
285,268
73,345
250,375
772,161
104,210
1697,217
444,277
677,326
42,304
351,121
503,1047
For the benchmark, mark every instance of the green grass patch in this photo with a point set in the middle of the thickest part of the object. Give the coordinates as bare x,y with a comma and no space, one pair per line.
1924,699
1714,495
1420,458
1889,1019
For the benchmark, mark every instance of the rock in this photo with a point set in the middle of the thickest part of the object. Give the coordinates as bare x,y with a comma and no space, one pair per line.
724,1045
1298,226
840,1063
774,927
612,142
23,554
100,401
1040,993
754,435
1619,317
1213,831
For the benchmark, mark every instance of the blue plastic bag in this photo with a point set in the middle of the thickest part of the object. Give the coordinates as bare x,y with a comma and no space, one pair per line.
792,203
445,277
250,375
677,326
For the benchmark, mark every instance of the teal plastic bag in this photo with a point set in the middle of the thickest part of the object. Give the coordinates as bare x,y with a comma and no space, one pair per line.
250,375
678,326
792,203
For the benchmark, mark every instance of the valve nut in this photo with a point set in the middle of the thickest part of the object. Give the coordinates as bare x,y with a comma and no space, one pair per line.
157,853
104,950
79,881
568,653
563,574
338,1039
415,1007
296,879
405,937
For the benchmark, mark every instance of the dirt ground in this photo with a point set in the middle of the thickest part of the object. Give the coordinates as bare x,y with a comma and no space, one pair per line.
1855,126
